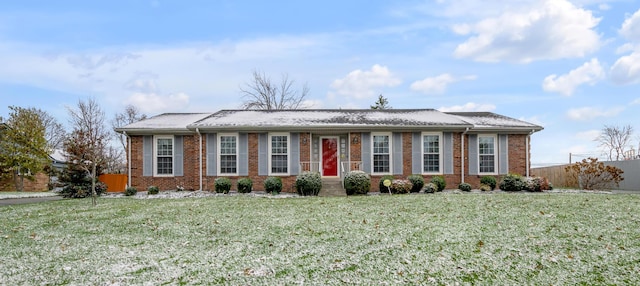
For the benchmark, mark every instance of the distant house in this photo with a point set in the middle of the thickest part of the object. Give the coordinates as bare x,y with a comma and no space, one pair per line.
192,149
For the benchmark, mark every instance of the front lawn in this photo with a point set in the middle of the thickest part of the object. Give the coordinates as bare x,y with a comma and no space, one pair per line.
504,239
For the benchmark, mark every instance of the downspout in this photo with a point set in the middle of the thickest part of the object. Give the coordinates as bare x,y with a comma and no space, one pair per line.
128,158
200,155
528,164
462,155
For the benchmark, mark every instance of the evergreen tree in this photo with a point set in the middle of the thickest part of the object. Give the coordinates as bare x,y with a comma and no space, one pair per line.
382,103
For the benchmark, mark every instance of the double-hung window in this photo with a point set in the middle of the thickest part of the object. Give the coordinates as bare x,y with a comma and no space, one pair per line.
228,152
431,153
487,154
279,153
381,153
163,155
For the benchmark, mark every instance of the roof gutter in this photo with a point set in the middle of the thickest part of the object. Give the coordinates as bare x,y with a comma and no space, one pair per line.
528,140
128,158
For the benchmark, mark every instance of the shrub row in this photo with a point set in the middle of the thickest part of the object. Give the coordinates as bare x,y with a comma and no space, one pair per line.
359,183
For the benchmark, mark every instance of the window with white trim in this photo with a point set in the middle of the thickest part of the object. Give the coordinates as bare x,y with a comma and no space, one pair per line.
431,153
163,156
228,154
381,146
279,153
487,154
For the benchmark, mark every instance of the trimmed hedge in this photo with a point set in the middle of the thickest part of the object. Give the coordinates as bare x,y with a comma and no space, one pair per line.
273,185
401,186
489,181
430,188
417,181
222,185
465,187
381,186
245,185
357,183
130,191
439,182
309,184
153,190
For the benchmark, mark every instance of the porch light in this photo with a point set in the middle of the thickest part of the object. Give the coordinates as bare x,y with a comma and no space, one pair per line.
355,139
304,140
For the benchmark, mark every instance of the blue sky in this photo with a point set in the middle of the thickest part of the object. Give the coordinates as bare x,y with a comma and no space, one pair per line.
570,66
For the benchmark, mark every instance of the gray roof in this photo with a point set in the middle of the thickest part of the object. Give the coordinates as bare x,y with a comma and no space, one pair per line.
167,122
327,119
491,121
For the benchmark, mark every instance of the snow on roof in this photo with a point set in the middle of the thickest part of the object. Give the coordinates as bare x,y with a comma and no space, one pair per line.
166,121
58,155
485,120
328,118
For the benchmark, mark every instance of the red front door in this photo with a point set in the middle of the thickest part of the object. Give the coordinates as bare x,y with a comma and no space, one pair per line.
330,157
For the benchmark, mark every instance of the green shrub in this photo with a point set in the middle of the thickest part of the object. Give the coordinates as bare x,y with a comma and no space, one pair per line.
381,186
245,185
130,191
465,187
222,185
489,181
309,184
417,181
153,190
512,183
357,183
82,190
430,188
273,185
439,182
401,186
485,188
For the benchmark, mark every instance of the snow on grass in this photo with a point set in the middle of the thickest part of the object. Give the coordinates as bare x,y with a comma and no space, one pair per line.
505,239
17,195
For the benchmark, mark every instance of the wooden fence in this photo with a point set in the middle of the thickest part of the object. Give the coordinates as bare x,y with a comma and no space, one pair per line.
556,175
114,182
559,178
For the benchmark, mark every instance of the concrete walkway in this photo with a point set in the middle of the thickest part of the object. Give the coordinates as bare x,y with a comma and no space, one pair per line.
19,201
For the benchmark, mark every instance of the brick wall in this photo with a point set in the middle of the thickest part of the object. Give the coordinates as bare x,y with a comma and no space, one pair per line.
39,184
190,180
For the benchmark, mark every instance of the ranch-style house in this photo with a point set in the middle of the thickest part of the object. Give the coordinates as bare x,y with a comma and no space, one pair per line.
191,150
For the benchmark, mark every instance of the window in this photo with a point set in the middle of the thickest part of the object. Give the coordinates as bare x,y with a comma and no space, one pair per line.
431,147
487,154
228,152
163,155
381,153
279,154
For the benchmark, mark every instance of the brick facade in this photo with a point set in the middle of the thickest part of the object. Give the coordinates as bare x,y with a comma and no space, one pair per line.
517,160
38,184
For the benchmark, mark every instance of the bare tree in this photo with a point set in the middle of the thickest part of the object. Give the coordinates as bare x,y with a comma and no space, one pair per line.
89,137
131,114
54,131
262,93
614,140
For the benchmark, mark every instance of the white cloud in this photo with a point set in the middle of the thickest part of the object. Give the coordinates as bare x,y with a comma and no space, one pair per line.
626,70
151,103
556,29
588,113
631,27
636,101
469,106
534,119
438,84
588,135
364,84
589,73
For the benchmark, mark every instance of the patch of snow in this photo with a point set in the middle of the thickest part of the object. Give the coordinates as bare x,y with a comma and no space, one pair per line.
167,121
198,194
